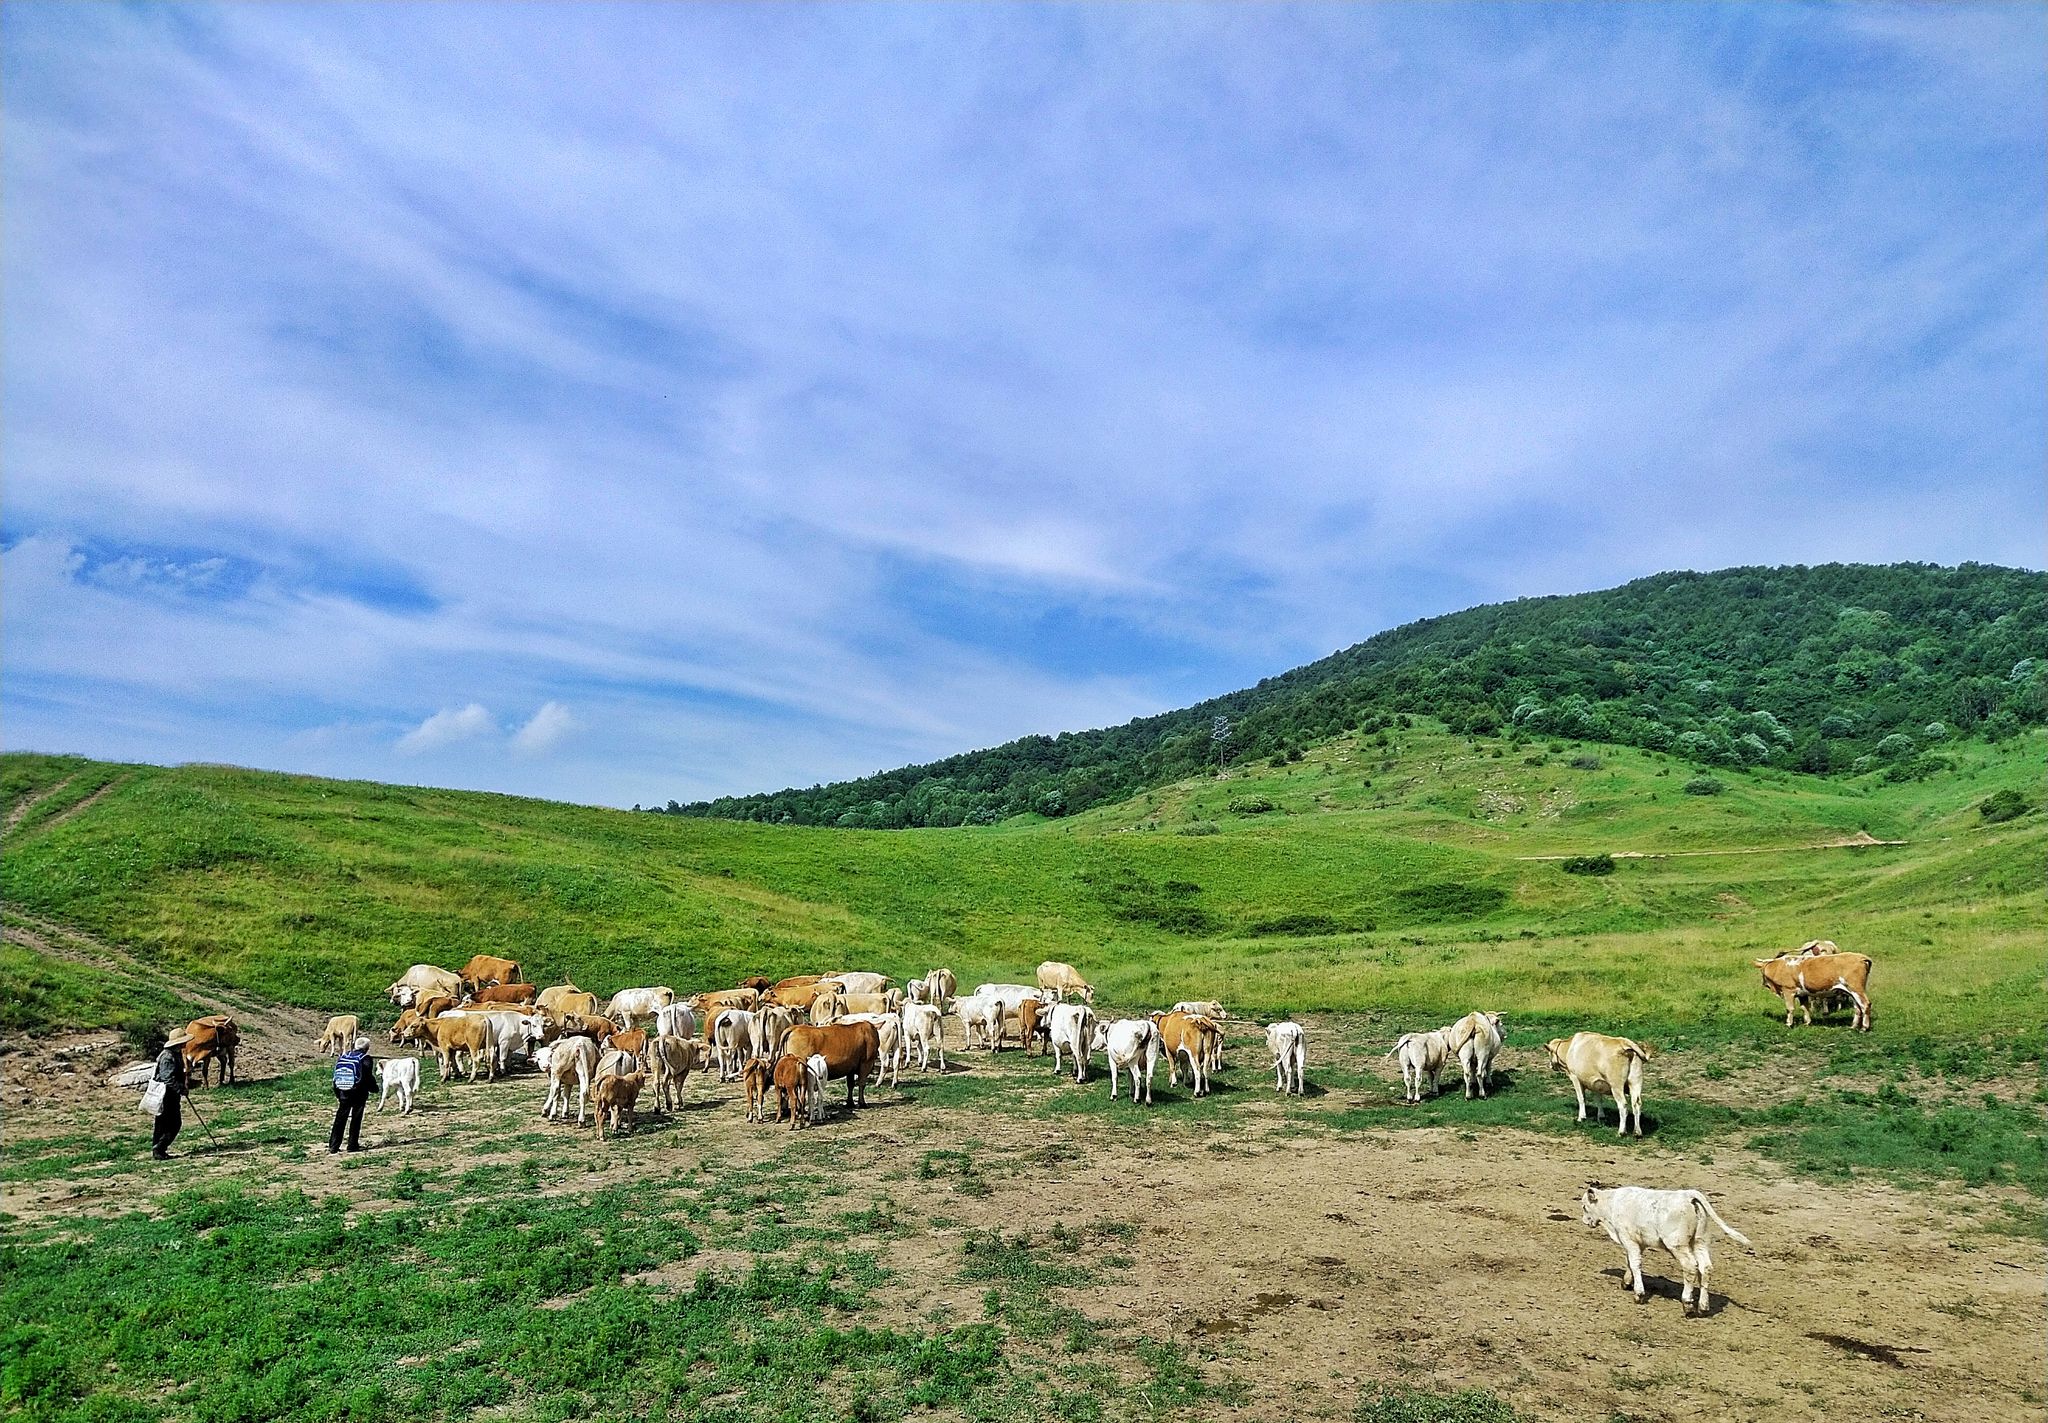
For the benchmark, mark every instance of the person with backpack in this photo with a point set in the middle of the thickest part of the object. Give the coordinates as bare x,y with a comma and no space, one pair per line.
352,1083
167,1086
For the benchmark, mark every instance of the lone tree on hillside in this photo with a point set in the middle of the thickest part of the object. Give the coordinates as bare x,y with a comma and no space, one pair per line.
1219,737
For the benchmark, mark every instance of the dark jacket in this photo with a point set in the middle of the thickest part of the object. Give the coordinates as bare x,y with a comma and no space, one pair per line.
170,1070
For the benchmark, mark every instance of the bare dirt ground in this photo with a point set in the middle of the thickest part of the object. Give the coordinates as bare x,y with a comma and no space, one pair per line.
1298,1262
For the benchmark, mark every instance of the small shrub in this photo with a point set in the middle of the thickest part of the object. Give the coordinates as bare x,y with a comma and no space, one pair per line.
1198,827
2002,806
1248,805
1584,762
1450,899
1703,785
1589,865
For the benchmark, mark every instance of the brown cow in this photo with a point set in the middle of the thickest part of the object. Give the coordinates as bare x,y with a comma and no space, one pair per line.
436,1005
792,1091
454,1033
211,1039
1189,1038
759,1077
802,980
1798,981
1034,1024
708,1006
584,1025
520,993
616,1096
850,1050
757,983
483,970
633,1044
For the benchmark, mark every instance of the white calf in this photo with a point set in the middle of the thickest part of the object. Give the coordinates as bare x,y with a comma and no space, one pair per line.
1636,1216
1073,1028
1132,1044
564,1059
983,1016
400,1075
924,1028
1423,1055
1289,1046
817,1072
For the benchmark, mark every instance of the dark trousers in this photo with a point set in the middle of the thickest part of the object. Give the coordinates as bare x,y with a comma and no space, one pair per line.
348,1111
168,1123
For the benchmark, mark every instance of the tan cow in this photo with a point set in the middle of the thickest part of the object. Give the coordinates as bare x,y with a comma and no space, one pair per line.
1595,1060
798,998
453,1033
209,1040
1063,980
802,980
708,1006
421,980
339,1034
616,1095
1476,1039
633,1043
670,1061
851,1050
569,1059
1189,1038
566,998
1799,980
483,970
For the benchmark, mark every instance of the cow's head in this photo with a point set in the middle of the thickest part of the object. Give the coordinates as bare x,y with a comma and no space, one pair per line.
1592,1212
1555,1047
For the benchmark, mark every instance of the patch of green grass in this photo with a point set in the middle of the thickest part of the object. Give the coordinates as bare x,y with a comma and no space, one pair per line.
1399,1403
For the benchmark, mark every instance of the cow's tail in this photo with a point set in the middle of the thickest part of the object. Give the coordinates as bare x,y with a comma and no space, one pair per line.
1395,1050
1702,1203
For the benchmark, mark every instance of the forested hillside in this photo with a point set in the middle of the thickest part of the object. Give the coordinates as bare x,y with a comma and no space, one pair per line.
1837,668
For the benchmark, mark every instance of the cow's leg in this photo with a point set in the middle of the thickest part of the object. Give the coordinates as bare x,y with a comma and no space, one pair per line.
1635,1268
1579,1089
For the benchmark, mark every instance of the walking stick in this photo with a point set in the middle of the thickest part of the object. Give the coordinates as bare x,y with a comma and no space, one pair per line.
202,1123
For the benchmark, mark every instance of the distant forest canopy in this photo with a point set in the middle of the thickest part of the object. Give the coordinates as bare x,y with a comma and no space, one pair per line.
1839,668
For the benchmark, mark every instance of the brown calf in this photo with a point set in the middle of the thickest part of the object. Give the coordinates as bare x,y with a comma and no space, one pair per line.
792,1092
616,1096
759,1078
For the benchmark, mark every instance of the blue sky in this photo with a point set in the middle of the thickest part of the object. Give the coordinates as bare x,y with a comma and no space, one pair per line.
617,403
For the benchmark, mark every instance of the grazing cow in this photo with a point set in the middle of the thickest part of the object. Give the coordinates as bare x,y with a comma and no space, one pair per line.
758,983
675,1021
1798,981
1596,1060
400,1075
759,1077
1034,1024
566,998
1476,1039
520,994
1423,1056
1130,1043
1062,981
1073,1028
421,980
709,1005
850,1050
924,1029
889,1036
579,1025
859,982
454,1033
1189,1038
483,970
212,1039
567,1059
617,1096
817,1072
670,1061
339,1034
792,1091
1635,1217
980,1015
940,986
799,997
630,1005
733,1042
1288,1042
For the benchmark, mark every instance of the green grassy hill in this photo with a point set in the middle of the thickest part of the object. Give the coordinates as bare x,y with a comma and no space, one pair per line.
1395,872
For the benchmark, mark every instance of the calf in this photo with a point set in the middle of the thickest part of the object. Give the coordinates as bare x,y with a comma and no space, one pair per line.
1422,1055
1034,1024
632,1043
925,1030
569,1059
817,1072
1132,1044
759,1077
1072,1028
792,1092
1636,1216
400,1075
1476,1039
1289,1045
339,1034
1596,1060
616,1096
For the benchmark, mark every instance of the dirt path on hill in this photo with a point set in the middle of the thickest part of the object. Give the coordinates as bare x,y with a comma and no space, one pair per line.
1861,840
29,803
1293,1259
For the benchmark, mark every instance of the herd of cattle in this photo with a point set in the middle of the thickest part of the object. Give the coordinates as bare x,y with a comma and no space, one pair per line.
787,1040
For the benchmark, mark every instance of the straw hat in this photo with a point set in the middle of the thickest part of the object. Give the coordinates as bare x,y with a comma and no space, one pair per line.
178,1038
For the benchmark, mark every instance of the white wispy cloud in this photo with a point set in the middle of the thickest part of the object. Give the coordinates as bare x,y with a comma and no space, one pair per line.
544,730
447,727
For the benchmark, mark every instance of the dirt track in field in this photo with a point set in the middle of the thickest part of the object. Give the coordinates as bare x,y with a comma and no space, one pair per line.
1301,1263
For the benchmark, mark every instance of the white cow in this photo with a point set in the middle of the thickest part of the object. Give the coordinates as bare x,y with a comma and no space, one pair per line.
400,1075
940,986
734,1041
771,1025
1130,1043
677,1020
563,1059
889,1031
1635,1217
859,982
1422,1055
1073,1028
1288,1043
924,1028
1596,1060
980,1015
1475,1039
629,1005
817,1072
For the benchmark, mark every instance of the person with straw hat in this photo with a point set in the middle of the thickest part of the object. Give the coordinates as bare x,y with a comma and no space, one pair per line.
170,1073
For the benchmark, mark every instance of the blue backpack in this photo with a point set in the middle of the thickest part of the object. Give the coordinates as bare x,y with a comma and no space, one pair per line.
351,1070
